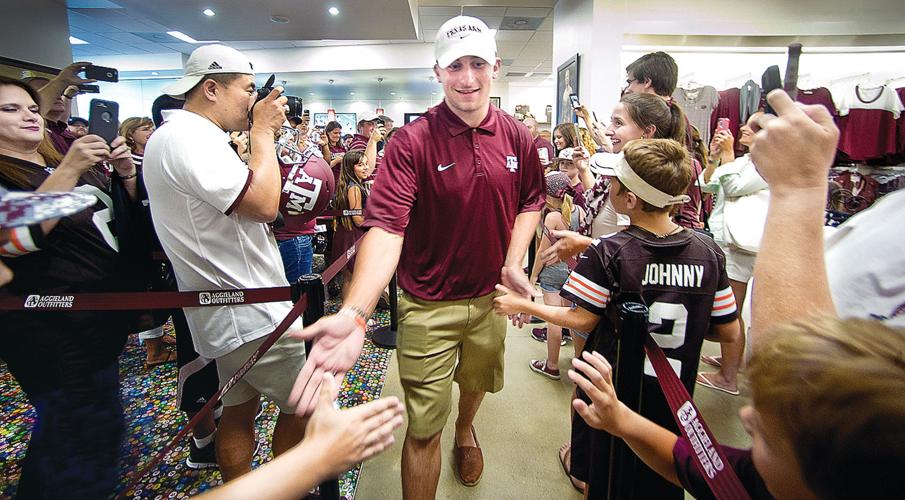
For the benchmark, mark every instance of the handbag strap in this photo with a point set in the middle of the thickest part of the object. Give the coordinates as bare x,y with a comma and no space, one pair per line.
708,457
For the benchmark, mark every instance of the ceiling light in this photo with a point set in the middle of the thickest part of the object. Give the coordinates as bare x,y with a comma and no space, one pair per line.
279,19
392,93
77,41
182,36
208,13
351,93
333,11
310,93
433,93
155,73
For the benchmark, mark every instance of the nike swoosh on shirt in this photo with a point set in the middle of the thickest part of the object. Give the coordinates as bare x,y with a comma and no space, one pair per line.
441,168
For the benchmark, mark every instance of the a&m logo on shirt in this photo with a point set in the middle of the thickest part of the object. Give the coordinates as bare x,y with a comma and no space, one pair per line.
512,163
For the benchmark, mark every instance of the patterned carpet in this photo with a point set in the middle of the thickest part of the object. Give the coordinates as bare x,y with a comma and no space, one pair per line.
152,419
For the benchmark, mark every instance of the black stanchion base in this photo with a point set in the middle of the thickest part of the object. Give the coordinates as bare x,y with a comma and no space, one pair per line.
329,490
384,337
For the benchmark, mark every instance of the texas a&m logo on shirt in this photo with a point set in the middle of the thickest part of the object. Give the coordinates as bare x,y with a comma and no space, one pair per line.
512,163
303,191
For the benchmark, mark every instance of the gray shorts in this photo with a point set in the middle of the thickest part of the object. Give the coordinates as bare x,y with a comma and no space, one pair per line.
552,278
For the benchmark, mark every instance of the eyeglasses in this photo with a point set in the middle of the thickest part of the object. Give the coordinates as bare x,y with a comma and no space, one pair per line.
630,81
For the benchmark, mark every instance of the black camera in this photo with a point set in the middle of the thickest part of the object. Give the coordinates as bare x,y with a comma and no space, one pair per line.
293,103
380,122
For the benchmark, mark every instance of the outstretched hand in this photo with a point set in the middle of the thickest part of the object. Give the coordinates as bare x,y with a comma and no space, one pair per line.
594,375
509,303
515,280
337,344
568,245
353,435
795,149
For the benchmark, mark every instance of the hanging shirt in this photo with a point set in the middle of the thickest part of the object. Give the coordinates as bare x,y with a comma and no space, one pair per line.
698,105
748,100
820,95
728,108
867,122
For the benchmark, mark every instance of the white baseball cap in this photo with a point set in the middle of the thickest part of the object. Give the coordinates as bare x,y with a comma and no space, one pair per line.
367,116
209,60
614,165
464,36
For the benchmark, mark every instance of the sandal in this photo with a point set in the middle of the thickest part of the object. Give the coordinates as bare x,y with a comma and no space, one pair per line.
170,358
565,453
703,379
714,361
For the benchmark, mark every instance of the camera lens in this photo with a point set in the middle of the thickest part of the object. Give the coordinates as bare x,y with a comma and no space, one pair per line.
105,116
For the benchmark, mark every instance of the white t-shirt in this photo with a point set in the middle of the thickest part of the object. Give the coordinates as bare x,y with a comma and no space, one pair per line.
865,263
195,181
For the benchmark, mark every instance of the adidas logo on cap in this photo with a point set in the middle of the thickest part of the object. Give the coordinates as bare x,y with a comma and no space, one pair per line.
214,65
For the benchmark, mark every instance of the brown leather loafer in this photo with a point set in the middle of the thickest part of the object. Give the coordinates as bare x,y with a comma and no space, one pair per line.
469,461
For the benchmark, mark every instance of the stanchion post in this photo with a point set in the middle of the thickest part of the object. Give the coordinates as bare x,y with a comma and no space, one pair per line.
313,285
394,303
628,379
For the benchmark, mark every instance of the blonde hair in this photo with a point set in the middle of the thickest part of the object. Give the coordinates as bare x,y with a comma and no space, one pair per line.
662,163
587,141
130,125
836,390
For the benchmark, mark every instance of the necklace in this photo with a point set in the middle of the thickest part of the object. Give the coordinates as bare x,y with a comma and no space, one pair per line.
661,236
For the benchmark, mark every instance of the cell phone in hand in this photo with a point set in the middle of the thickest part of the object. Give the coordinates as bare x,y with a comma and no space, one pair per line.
103,119
87,88
573,98
722,125
102,73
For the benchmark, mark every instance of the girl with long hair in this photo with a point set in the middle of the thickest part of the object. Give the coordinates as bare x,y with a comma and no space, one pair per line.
351,194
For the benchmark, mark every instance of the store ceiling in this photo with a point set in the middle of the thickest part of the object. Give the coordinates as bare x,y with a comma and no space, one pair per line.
137,27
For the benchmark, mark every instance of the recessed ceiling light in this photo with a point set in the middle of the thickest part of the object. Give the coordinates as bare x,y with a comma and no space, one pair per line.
208,13
433,93
310,93
333,11
351,93
182,36
392,93
279,19
77,41
155,73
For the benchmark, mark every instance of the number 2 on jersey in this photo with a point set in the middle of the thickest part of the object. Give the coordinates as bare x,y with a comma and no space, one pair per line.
667,336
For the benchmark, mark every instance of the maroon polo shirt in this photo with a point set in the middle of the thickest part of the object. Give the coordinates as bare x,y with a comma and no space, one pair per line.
454,192
545,150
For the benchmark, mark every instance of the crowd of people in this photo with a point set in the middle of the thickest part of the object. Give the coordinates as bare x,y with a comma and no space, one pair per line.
228,187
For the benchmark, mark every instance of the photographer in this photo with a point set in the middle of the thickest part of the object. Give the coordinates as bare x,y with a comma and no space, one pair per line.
210,211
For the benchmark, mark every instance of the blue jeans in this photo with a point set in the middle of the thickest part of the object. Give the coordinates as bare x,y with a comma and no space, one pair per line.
297,254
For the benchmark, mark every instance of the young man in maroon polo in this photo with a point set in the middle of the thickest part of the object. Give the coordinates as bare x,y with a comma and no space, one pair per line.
455,206
544,147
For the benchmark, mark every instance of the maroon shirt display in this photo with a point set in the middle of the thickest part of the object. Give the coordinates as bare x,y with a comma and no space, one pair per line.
359,143
739,460
867,131
728,108
454,192
820,95
542,144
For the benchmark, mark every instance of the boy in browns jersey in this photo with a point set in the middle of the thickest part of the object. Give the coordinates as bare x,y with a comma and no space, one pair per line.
680,275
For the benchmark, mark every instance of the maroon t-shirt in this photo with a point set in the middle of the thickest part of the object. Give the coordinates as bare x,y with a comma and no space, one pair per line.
359,143
60,136
334,152
545,150
454,192
820,95
292,222
739,460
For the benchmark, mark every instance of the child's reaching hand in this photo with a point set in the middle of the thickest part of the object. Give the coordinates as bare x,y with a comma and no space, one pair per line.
509,302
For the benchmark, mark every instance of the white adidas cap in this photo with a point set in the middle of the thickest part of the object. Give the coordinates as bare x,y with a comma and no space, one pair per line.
209,60
464,36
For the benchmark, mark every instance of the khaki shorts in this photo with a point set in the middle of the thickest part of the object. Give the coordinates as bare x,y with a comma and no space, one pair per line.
273,375
442,341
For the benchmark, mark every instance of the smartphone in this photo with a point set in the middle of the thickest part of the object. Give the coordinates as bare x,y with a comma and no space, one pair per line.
102,73
87,88
574,99
722,124
103,119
